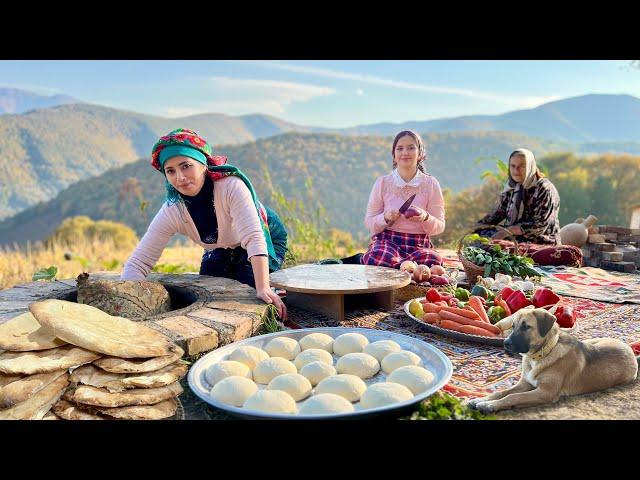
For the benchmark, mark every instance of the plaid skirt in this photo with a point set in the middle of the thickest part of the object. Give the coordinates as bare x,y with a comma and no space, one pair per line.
390,249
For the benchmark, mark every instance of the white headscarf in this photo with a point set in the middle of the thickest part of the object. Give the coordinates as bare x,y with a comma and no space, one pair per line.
516,205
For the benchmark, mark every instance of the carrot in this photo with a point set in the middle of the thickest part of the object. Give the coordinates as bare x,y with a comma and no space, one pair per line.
449,325
476,304
431,308
430,317
462,312
467,321
476,331
503,304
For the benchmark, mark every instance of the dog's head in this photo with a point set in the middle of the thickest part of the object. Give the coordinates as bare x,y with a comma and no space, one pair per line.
530,327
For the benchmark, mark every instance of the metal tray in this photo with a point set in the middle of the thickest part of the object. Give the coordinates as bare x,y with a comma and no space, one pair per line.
465,337
432,358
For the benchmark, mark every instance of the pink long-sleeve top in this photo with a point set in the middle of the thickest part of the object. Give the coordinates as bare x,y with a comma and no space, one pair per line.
391,191
238,225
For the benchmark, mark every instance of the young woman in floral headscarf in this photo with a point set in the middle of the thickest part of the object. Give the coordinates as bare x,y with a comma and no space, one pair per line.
396,237
215,205
528,205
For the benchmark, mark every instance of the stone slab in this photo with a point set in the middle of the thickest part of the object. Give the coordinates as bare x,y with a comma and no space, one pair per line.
626,267
604,247
612,256
230,325
192,336
611,236
596,238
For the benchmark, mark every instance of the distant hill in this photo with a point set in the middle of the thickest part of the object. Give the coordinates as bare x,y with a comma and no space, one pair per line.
13,100
58,146
587,118
342,169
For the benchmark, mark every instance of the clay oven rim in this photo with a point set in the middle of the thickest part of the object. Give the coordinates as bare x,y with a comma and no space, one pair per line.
184,299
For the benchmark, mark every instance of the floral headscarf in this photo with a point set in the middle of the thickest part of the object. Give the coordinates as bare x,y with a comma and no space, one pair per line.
515,208
217,169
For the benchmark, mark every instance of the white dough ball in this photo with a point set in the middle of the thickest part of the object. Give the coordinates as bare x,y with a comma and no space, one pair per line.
313,355
227,368
382,348
326,403
270,368
348,386
416,379
233,390
385,393
317,340
293,383
349,343
248,355
284,347
272,401
317,371
399,359
361,365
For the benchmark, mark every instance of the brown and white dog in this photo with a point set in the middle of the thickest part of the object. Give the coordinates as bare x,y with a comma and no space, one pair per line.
555,364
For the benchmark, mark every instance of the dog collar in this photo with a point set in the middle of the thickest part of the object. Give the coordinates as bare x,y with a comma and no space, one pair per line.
547,346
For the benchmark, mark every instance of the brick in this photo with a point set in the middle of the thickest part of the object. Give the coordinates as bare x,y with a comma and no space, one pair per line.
626,238
612,256
596,238
605,247
593,230
247,305
230,325
586,252
635,231
611,236
631,256
626,267
192,336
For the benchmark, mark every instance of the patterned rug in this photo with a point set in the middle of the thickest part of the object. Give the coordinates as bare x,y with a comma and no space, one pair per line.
478,369
593,283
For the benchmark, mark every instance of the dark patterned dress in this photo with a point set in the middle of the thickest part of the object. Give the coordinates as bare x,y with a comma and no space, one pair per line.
539,221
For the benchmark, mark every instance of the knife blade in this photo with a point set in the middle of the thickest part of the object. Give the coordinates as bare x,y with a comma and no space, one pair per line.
405,206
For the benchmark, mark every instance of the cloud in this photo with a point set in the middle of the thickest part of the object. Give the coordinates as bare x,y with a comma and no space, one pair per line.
359,92
240,96
517,101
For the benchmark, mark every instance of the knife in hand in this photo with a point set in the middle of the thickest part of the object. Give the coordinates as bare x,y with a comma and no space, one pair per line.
405,206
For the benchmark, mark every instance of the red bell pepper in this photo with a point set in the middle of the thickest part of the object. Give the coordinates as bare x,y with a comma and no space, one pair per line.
517,300
565,316
433,295
544,297
505,293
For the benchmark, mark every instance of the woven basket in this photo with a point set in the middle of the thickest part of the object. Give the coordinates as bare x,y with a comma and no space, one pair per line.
413,290
471,269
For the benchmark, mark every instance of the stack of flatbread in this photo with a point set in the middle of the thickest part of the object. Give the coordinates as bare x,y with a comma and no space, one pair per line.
134,375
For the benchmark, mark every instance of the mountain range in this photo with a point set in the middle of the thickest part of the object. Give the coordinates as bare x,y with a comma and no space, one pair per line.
14,100
45,150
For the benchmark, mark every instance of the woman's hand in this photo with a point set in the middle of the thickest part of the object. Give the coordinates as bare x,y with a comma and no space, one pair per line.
391,216
269,296
418,218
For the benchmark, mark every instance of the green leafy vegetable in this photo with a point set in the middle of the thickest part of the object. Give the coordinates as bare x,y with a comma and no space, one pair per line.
443,406
48,274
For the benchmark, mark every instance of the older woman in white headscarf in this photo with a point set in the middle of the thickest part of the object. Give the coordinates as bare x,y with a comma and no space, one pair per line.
528,205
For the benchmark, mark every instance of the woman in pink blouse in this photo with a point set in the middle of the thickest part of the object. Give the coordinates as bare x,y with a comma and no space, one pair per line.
396,238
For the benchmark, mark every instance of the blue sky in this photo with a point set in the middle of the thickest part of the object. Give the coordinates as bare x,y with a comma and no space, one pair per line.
323,92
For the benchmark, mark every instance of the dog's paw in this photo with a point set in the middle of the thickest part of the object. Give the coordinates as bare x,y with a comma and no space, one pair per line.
485,407
473,403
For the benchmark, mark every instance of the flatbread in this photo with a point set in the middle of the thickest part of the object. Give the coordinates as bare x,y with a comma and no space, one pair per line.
7,379
44,361
101,397
118,382
70,411
24,334
39,404
50,416
164,409
137,365
95,330
23,388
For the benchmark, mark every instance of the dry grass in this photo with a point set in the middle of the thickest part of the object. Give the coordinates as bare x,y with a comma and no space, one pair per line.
18,265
